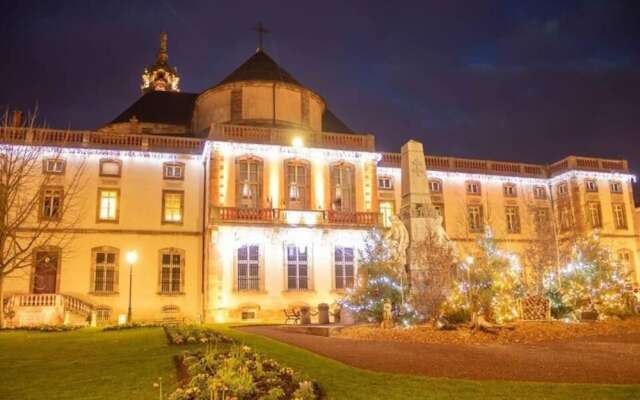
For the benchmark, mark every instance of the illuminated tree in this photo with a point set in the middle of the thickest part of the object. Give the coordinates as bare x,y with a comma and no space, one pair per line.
488,283
23,227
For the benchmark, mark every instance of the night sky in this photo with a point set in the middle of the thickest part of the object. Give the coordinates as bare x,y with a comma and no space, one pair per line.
530,81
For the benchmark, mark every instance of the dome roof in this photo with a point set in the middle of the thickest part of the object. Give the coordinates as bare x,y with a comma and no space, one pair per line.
259,67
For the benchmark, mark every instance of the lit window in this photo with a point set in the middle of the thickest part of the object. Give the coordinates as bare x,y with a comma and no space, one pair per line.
249,182
54,166
474,218
297,267
110,168
539,192
510,190
562,188
105,270
171,271
103,314
342,187
173,171
248,267
595,214
51,204
343,259
590,185
619,216
172,206
473,187
439,207
435,186
386,209
108,204
513,219
297,181
385,183
616,187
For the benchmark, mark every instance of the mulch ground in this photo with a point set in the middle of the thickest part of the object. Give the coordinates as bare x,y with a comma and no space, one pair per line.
611,358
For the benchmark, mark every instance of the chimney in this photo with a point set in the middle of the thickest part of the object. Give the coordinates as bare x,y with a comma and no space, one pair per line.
16,119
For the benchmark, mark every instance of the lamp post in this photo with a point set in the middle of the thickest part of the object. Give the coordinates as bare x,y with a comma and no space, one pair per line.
132,257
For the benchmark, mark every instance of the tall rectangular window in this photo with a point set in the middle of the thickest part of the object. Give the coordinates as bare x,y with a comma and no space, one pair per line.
343,259
474,218
297,185
248,267
562,188
108,205
565,218
172,206
51,203
171,270
297,267
595,214
619,216
105,271
342,187
590,185
386,209
513,219
249,182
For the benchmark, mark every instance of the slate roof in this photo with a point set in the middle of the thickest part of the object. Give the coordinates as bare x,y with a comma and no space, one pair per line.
259,67
173,108
331,123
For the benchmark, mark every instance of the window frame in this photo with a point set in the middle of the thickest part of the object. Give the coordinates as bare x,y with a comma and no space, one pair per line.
171,252
168,165
115,267
43,200
343,263
438,183
287,262
562,189
625,222
45,164
304,190
506,187
613,185
542,189
385,178
590,185
351,191
480,218
511,228
598,210
237,262
254,202
468,185
104,161
116,219
387,220
164,219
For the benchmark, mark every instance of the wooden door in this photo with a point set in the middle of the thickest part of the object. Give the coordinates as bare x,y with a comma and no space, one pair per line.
45,276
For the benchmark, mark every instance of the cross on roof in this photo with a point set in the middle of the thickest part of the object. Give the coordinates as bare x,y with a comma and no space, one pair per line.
261,32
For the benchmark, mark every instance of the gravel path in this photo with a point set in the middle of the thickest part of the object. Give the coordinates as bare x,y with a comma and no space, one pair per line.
605,359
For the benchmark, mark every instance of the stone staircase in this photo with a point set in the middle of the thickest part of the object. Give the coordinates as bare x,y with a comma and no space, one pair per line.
47,309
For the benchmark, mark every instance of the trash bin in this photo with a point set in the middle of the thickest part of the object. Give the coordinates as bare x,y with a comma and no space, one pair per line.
323,314
305,315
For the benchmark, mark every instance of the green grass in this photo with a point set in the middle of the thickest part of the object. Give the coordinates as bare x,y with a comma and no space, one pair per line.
90,364
340,381
85,364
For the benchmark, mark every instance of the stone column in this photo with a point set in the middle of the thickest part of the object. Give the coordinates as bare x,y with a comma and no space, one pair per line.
415,190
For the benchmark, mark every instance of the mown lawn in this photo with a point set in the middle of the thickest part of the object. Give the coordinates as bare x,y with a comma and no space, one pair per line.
90,364
85,364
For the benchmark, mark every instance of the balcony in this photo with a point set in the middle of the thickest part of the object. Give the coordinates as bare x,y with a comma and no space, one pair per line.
275,216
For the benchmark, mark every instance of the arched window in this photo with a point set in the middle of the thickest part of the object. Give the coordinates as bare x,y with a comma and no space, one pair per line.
171,274
297,184
342,186
104,269
249,182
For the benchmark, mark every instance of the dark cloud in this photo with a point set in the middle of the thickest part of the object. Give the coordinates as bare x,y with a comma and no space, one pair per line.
520,80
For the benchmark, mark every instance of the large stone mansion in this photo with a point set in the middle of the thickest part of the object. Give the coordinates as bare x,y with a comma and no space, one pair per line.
252,196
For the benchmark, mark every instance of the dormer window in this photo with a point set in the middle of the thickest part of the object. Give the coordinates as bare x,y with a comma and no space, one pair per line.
510,190
473,187
54,166
173,171
112,168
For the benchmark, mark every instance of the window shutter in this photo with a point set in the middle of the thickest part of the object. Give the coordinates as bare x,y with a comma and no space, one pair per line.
182,270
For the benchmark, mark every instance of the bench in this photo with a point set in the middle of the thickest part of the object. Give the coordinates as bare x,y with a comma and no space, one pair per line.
292,315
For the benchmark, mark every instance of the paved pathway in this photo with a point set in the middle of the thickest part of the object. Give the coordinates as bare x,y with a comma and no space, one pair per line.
610,359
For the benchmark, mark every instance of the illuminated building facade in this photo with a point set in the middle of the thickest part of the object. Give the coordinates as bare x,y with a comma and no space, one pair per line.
252,196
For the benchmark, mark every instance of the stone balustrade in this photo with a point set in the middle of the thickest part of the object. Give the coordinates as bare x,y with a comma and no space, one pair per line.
293,217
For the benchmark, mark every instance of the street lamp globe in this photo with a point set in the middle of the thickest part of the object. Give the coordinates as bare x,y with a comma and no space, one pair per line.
132,257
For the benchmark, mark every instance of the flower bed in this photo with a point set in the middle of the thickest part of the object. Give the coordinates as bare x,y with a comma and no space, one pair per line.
45,328
523,332
134,325
242,374
189,334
